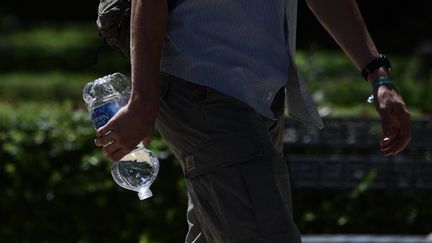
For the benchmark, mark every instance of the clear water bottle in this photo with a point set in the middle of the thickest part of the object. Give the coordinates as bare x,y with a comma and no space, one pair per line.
104,97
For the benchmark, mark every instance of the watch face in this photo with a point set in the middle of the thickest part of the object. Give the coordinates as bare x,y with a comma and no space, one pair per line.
381,61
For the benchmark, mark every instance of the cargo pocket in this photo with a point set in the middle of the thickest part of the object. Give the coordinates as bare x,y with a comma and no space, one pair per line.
231,181
272,217
220,152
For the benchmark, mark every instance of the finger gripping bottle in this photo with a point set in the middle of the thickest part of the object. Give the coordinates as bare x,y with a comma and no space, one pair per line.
104,97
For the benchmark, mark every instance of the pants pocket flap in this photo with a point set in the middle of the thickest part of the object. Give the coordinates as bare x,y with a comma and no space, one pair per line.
219,152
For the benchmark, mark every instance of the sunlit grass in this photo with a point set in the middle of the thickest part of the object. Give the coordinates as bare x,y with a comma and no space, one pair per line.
51,38
46,86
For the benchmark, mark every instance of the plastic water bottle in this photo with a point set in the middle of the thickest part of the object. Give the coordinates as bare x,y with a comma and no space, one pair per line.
104,97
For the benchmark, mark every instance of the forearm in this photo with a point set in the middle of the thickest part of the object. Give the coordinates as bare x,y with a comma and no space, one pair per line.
148,21
343,21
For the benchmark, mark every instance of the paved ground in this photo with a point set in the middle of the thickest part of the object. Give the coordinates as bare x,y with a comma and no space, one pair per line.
366,239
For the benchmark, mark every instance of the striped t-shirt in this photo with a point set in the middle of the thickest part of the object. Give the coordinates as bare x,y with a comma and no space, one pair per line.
242,48
238,47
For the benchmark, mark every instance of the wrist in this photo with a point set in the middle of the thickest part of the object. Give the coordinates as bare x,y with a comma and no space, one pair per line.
146,103
145,92
382,81
378,73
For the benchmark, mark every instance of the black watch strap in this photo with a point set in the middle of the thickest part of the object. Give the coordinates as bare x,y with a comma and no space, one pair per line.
381,61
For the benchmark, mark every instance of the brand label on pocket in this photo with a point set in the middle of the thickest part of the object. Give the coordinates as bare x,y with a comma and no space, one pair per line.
189,163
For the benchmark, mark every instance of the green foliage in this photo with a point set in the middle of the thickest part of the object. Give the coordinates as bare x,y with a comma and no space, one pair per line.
362,212
52,39
58,47
57,186
47,86
336,83
49,56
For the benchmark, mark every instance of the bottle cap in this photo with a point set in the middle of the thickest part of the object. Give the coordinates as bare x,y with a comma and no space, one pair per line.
144,193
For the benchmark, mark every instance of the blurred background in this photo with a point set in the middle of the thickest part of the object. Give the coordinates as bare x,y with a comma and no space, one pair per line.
55,186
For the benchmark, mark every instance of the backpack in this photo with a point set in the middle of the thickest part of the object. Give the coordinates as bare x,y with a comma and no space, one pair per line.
113,22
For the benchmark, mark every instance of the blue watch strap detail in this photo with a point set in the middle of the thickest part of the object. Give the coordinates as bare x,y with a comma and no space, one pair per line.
382,81
378,82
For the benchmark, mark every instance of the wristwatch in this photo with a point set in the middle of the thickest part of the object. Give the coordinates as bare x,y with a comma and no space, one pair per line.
381,61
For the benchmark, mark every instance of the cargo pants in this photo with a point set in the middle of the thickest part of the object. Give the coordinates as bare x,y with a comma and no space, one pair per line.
237,181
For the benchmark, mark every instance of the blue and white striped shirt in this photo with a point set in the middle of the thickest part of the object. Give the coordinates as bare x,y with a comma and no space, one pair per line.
242,48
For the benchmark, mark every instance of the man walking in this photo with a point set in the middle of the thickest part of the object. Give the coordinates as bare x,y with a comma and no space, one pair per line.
214,76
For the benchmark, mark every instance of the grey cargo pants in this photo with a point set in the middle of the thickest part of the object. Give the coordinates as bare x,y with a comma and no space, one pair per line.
237,181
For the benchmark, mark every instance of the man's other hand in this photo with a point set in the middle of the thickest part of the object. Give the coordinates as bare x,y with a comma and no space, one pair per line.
395,120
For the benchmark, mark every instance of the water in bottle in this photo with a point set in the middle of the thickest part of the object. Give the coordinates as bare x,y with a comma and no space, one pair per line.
104,97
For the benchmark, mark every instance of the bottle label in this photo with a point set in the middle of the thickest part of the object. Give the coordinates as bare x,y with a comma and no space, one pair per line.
102,114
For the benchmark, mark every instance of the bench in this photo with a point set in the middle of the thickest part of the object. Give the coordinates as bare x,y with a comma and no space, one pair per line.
346,153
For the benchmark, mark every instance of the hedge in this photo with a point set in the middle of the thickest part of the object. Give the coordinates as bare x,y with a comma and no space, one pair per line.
63,55
333,81
56,187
